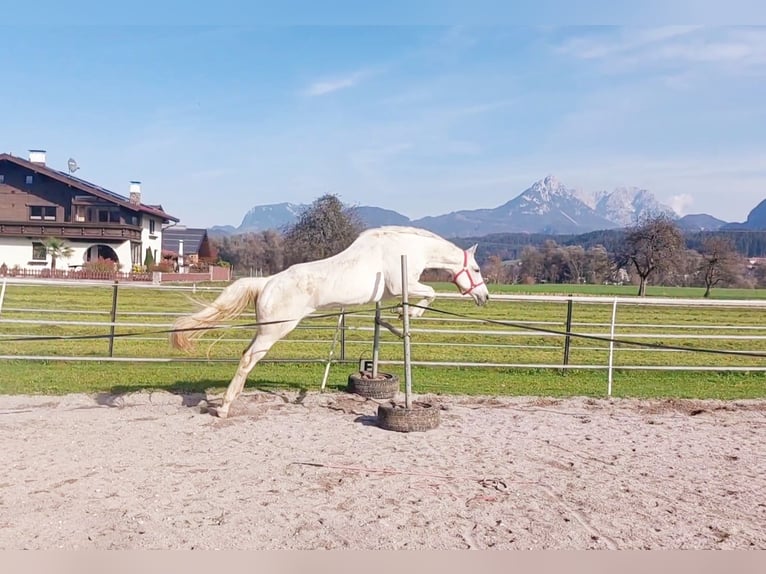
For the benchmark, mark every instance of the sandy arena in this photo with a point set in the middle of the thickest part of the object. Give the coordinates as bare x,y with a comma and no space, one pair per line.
311,471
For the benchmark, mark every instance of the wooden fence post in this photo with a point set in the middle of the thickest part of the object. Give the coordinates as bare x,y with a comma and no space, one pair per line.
113,318
568,337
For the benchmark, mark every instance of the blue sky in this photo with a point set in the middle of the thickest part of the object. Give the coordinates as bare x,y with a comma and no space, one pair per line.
421,119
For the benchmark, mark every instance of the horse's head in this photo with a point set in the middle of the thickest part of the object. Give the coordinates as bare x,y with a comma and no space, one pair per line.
469,280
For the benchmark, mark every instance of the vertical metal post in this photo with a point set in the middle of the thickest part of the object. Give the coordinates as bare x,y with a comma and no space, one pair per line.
332,350
611,347
376,341
567,338
2,294
406,337
113,318
342,334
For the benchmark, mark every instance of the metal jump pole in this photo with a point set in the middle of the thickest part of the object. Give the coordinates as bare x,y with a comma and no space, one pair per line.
376,341
406,337
2,295
338,329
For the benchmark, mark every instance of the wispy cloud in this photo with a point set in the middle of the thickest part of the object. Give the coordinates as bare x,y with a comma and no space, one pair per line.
621,41
625,48
330,85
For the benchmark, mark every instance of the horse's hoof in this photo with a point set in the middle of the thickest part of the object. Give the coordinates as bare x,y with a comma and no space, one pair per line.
220,413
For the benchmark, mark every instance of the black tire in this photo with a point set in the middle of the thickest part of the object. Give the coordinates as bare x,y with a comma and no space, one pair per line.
420,417
384,386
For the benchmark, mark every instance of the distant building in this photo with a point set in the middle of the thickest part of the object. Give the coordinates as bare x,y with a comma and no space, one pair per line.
187,246
38,202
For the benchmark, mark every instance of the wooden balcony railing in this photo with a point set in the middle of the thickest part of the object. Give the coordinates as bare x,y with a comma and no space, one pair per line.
66,230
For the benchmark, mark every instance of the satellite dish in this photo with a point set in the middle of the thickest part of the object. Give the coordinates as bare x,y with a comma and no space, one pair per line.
72,164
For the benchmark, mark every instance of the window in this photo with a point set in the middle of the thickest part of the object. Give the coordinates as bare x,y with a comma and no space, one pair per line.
108,216
46,212
2,178
39,252
151,226
136,253
30,179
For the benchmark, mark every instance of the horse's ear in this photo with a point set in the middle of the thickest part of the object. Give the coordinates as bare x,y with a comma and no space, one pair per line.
472,249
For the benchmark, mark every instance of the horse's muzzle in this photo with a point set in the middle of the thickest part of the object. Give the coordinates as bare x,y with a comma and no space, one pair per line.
480,298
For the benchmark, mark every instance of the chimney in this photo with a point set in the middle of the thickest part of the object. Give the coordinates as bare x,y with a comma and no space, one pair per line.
135,192
37,156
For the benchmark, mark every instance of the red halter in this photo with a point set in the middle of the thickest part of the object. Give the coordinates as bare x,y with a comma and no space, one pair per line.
468,273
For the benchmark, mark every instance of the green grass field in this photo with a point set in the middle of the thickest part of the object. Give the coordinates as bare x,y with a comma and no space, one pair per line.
142,313
619,291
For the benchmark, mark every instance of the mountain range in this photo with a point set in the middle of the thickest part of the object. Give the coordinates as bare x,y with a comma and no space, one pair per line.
547,206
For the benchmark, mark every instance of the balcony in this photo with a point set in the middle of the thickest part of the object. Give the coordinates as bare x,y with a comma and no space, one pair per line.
66,230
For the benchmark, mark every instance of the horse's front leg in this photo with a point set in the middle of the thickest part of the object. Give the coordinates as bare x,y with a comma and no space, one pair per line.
250,358
418,290
258,348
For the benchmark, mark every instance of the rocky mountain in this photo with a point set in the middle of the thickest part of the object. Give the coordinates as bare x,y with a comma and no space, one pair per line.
275,216
220,230
280,215
377,216
756,219
625,205
700,222
547,206
262,217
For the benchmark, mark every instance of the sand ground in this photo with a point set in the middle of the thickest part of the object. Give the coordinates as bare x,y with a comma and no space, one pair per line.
311,471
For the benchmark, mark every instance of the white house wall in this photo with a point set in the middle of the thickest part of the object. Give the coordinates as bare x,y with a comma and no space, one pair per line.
150,240
18,252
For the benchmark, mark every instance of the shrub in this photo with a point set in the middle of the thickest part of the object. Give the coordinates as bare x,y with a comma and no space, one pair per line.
164,267
101,265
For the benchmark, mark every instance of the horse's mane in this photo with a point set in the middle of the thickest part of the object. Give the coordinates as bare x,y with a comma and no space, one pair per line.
398,230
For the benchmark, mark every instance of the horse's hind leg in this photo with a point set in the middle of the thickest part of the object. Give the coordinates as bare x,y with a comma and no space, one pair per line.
258,348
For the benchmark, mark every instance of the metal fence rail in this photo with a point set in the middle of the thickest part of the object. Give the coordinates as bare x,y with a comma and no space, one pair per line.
735,329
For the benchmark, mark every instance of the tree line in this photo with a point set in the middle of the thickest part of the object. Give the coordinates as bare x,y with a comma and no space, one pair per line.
322,230
654,250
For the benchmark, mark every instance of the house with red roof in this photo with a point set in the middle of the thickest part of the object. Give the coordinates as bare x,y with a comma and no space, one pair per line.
39,202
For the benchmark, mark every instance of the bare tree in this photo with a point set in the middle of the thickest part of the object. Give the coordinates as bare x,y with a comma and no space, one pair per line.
322,230
651,246
719,262
243,251
686,272
758,273
531,265
597,265
575,258
274,254
494,270
553,261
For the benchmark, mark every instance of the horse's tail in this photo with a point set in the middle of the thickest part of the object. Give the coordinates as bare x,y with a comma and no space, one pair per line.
230,303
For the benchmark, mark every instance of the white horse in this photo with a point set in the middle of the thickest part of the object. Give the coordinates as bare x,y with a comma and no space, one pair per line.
369,270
